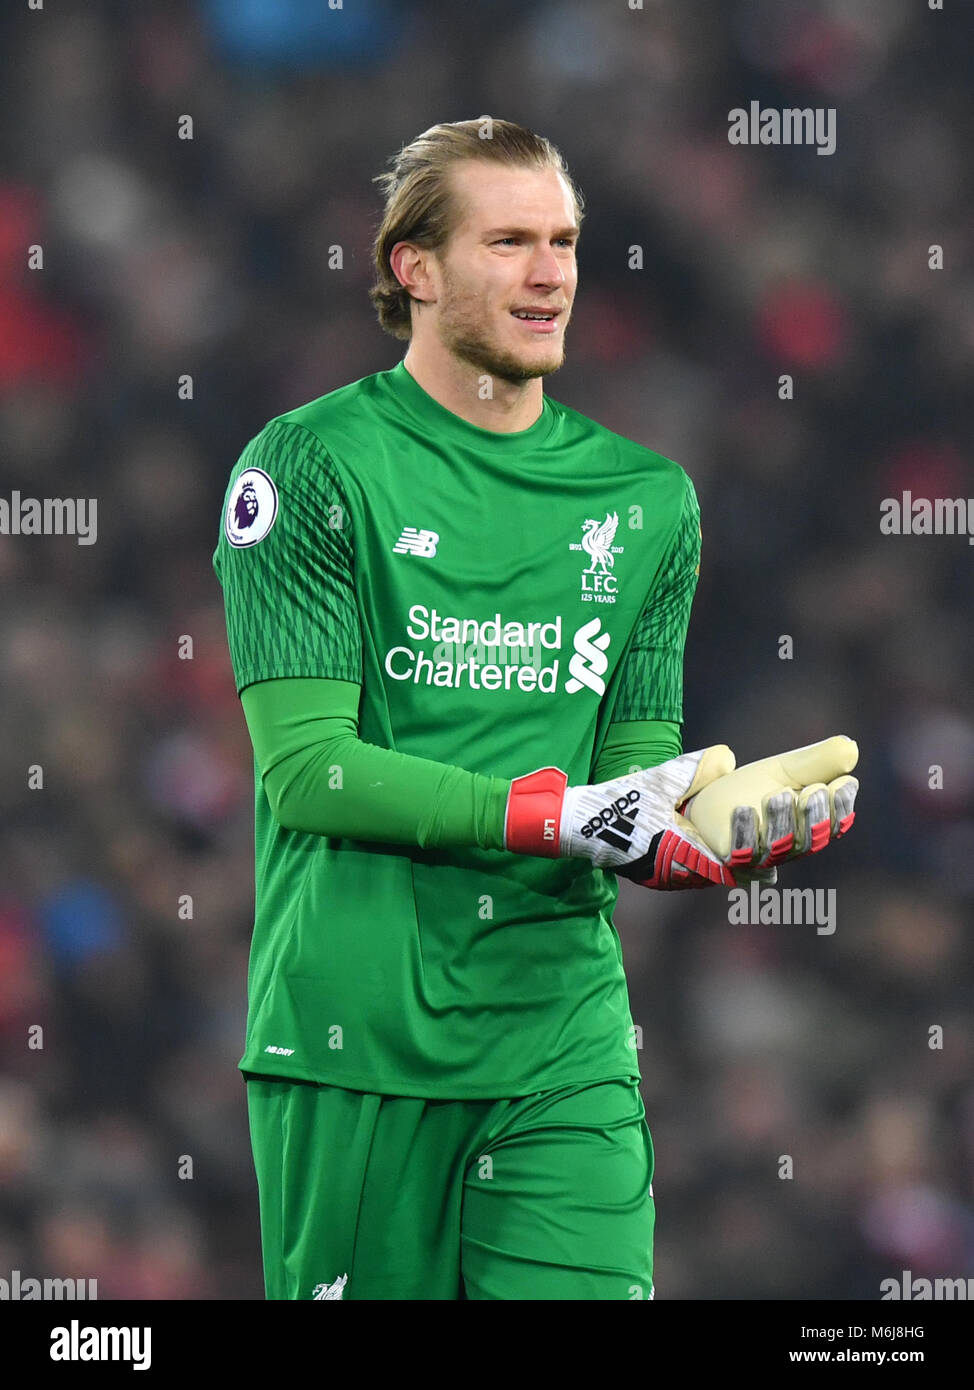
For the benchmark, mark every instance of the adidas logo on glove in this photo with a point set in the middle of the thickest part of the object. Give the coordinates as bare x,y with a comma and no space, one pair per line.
613,814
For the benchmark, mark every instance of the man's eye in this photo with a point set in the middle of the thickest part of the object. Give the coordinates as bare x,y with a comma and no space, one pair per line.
516,241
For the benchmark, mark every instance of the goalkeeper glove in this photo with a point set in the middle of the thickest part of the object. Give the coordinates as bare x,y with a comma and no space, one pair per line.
630,824
780,808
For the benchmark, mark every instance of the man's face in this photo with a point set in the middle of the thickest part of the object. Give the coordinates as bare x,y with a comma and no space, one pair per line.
512,250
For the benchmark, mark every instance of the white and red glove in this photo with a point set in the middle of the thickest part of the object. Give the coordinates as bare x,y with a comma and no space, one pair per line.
693,821
630,824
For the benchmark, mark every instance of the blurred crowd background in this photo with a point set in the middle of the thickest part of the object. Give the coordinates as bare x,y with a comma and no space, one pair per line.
209,257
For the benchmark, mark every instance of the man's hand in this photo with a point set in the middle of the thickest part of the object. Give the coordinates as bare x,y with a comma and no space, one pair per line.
780,808
693,821
630,824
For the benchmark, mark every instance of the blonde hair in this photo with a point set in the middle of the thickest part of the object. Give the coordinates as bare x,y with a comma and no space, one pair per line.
419,206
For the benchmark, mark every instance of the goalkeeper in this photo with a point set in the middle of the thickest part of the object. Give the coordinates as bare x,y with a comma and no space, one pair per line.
462,677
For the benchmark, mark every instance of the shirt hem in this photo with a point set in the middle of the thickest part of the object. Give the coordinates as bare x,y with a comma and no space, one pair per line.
497,1090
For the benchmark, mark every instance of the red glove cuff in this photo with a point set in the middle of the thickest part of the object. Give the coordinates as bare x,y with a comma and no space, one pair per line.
533,818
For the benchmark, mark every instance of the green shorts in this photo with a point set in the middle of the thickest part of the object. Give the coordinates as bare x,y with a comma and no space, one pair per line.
364,1196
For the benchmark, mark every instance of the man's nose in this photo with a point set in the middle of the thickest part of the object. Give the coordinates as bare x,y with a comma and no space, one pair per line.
545,268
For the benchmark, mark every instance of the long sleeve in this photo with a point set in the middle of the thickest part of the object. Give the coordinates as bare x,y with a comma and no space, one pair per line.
320,777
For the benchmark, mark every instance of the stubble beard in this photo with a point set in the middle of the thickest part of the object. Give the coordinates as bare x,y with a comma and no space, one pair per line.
461,334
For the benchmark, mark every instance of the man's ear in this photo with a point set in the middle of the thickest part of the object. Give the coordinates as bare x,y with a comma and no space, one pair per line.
410,265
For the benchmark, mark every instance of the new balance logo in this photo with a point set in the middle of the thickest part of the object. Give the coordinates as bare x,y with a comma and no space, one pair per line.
615,823
414,542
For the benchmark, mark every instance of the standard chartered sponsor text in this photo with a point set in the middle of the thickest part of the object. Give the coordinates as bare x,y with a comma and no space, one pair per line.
484,654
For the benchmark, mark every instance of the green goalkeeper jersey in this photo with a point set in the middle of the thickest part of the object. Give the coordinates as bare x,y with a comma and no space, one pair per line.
501,599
